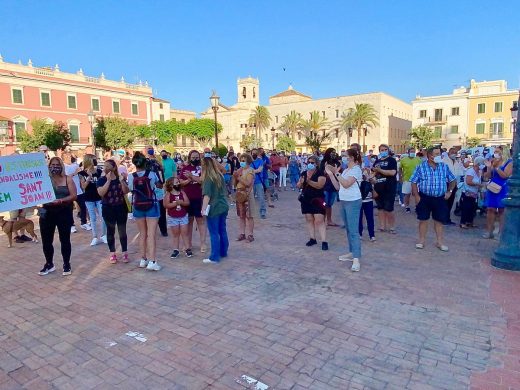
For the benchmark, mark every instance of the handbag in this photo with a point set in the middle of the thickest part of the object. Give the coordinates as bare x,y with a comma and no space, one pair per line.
242,196
319,203
494,187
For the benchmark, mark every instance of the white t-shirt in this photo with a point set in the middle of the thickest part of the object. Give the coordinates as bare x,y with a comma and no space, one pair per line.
475,178
72,171
153,182
352,192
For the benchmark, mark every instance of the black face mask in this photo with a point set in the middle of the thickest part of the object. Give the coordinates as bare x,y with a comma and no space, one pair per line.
56,170
255,155
164,156
94,162
195,162
177,188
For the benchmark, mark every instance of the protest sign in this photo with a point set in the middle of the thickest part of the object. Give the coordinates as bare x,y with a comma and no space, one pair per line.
24,181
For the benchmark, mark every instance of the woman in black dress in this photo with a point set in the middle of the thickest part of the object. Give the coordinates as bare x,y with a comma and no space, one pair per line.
312,201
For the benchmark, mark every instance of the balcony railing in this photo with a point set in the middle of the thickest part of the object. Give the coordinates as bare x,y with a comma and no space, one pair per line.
437,119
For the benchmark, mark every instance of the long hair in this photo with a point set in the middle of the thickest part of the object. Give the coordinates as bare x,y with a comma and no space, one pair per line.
139,160
62,167
355,154
112,166
88,161
211,172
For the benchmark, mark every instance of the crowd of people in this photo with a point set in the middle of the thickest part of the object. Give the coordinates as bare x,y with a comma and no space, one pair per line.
177,194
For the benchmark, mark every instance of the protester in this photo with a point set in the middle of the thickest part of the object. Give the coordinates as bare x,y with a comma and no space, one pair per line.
330,193
276,164
146,210
214,191
350,199
245,200
471,186
294,171
190,179
284,161
429,188
265,176
385,170
227,176
72,169
169,166
153,165
498,172
89,177
258,188
408,165
456,169
367,206
57,214
176,203
312,202
112,188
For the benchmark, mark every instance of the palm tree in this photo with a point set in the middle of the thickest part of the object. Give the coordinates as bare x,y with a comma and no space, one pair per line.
362,117
316,130
291,123
260,119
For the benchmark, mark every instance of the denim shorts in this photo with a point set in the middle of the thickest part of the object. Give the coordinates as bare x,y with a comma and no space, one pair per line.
154,212
330,197
172,221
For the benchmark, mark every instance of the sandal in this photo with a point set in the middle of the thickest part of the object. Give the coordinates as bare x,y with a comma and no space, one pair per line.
332,224
419,246
242,237
442,248
392,231
382,230
250,238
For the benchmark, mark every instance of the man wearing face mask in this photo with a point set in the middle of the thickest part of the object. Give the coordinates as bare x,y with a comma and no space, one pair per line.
456,169
169,166
258,188
385,170
408,165
431,191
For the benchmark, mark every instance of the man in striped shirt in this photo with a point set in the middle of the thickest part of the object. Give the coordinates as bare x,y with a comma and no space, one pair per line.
432,184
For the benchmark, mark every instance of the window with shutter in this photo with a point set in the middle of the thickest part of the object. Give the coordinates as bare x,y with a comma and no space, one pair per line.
74,133
45,99
71,102
17,96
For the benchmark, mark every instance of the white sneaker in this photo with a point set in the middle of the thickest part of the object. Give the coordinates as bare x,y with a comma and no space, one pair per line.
73,229
95,241
153,266
346,257
86,227
143,263
130,216
104,239
356,267
209,261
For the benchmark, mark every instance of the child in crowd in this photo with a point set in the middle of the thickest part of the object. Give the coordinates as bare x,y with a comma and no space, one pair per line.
176,203
367,207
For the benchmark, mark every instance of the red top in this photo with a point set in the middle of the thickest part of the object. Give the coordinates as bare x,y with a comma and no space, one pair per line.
275,163
284,162
177,211
193,190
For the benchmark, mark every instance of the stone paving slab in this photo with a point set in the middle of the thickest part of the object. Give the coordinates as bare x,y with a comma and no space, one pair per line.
289,316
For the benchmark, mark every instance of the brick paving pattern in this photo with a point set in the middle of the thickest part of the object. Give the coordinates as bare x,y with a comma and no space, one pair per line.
289,316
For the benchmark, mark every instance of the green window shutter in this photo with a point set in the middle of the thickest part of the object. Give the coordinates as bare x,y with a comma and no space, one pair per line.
454,129
134,109
498,106
17,96
46,99
480,128
71,101
95,104
74,133
437,131
161,118
115,107
481,108
19,128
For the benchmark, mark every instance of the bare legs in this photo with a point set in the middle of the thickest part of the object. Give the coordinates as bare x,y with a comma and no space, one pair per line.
201,225
439,232
316,224
147,237
386,220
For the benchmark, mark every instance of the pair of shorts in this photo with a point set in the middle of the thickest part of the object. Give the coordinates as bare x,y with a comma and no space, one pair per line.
175,221
195,208
311,208
436,206
407,188
385,200
330,197
153,212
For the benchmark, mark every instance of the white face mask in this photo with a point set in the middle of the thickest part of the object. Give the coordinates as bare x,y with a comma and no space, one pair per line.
482,166
496,155
437,159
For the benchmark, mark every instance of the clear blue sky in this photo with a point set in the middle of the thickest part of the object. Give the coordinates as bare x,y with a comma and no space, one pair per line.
328,48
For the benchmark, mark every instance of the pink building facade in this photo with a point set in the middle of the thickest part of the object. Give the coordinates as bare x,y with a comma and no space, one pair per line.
28,92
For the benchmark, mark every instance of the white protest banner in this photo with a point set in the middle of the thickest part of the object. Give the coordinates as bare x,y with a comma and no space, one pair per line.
24,181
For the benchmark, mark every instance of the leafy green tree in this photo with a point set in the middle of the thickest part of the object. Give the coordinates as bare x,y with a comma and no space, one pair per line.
201,130
422,137
118,133
249,142
291,123
260,118
55,135
471,142
286,143
220,151
316,131
363,115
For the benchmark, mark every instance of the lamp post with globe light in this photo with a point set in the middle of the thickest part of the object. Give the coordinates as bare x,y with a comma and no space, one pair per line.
214,100
507,255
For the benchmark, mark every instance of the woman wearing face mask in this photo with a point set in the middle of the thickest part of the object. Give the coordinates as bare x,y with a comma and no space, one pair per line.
470,188
350,197
294,171
190,179
330,158
497,171
176,203
244,180
89,177
313,203
57,214
112,189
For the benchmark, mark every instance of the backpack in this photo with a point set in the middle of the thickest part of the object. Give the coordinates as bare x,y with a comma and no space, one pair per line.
143,195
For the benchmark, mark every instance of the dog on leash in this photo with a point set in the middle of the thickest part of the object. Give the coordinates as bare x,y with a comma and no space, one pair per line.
10,227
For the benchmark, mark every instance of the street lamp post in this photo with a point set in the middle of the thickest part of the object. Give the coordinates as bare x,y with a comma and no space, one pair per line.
91,118
214,99
507,255
272,136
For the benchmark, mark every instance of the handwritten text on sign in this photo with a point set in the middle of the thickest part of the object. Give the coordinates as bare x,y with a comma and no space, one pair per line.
24,181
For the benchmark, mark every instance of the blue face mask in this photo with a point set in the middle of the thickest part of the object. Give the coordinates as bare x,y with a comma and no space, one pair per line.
242,164
151,152
207,154
344,160
412,154
311,166
383,154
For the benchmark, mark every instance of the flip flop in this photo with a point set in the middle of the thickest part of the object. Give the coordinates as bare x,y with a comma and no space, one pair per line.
442,248
419,246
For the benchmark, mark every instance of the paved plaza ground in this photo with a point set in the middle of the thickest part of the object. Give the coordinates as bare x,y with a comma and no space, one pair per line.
275,315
